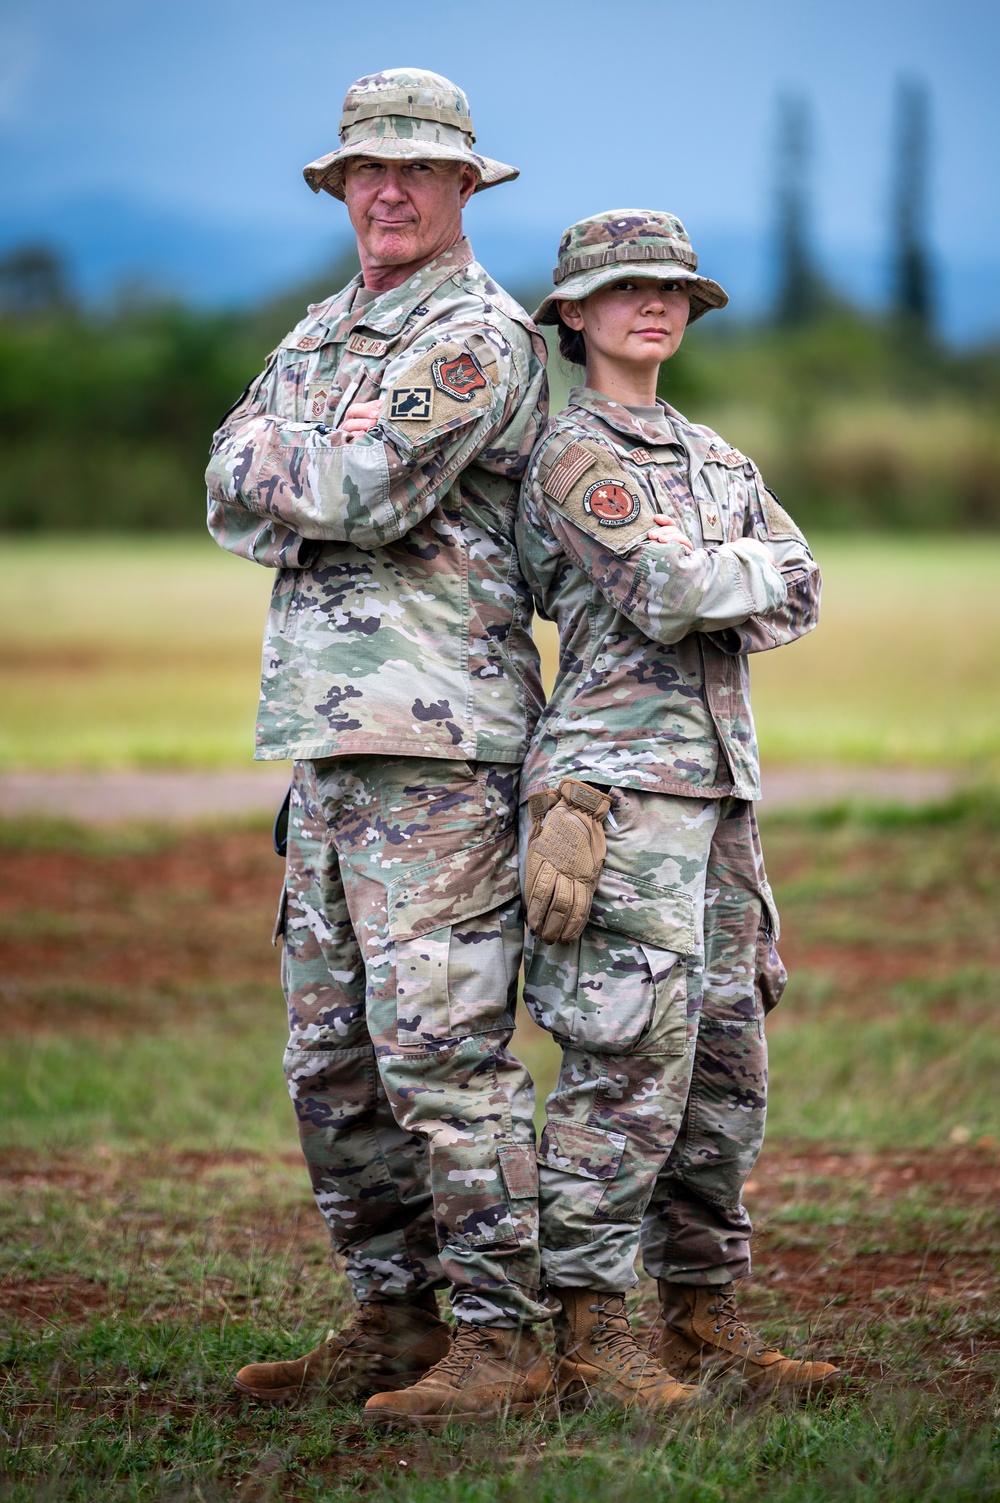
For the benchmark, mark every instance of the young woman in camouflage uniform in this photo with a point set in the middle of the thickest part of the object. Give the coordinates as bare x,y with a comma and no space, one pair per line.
665,561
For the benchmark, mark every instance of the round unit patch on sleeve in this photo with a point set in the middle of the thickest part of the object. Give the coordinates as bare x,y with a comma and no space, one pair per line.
611,504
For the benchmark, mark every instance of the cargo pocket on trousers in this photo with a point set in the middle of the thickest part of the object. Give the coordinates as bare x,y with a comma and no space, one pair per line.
588,1155
456,927
498,1204
588,1152
631,979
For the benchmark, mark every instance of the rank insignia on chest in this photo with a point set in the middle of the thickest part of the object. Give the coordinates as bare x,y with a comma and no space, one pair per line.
360,344
711,522
459,377
410,402
611,504
319,402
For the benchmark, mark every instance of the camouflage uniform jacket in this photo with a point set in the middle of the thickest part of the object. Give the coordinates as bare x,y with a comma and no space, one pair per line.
399,620
653,689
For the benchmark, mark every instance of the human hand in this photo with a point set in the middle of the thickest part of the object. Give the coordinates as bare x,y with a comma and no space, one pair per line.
358,418
667,531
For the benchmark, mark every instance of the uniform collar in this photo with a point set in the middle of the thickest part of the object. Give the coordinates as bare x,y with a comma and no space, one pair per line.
387,314
680,431
621,420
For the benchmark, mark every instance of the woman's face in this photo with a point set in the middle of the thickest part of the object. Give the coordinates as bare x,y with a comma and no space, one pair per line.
637,321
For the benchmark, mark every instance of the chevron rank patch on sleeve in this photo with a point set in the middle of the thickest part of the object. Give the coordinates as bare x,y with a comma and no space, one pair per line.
590,487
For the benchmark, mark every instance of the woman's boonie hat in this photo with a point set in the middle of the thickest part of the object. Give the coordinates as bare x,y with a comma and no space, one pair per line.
410,115
633,242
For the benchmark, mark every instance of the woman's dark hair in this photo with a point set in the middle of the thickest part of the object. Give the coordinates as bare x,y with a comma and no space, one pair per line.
572,345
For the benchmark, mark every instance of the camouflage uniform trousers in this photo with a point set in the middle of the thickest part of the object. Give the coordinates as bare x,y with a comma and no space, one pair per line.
403,939
658,1114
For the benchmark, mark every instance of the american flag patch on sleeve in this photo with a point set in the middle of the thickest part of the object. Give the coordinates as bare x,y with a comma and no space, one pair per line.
573,462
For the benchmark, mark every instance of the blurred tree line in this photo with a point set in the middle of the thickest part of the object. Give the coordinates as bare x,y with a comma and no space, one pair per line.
106,415
856,419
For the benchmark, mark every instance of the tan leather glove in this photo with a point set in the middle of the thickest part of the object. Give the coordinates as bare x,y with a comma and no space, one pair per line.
566,850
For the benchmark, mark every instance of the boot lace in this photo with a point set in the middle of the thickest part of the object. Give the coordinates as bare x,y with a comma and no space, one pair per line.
471,1344
735,1331
616,1338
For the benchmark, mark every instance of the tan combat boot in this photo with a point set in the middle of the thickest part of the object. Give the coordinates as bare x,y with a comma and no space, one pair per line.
703,1337
600,1361
488,1374
387,1345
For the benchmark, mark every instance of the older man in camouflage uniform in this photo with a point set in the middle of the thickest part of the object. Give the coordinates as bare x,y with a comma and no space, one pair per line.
665,561
374,465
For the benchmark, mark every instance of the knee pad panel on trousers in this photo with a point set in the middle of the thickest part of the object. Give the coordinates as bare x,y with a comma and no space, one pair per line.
724,1129
733,925
332,1089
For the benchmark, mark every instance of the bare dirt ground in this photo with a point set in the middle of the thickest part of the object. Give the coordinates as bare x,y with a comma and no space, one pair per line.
845,1247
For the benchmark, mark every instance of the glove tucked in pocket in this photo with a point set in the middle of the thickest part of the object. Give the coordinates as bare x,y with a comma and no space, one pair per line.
566,850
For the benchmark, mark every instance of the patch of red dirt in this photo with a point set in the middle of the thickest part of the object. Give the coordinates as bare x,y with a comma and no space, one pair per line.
962,1172
134,940
54,1299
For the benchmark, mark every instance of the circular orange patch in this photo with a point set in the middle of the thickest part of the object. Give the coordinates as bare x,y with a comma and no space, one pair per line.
611,504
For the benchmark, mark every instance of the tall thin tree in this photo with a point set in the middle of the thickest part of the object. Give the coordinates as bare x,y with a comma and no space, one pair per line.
799,287
912,294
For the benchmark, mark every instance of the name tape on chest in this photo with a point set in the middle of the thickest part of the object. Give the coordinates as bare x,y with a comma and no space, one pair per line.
591,488
731,458
362,344
441,384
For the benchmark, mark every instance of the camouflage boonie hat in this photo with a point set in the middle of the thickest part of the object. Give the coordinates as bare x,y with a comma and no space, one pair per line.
408,114
636,242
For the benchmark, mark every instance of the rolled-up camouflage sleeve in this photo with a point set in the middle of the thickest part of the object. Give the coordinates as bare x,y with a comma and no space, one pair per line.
262,541
769,523
441,404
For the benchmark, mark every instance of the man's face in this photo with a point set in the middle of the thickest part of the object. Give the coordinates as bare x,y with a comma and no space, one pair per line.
405,213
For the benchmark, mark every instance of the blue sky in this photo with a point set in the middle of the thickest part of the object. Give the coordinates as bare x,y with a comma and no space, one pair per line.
168,139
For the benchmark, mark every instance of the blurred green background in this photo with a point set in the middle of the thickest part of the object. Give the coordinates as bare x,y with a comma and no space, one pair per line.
858,421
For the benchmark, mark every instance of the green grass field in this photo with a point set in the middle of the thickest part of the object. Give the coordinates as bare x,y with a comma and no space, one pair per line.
145,652
155,1226
156,1231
